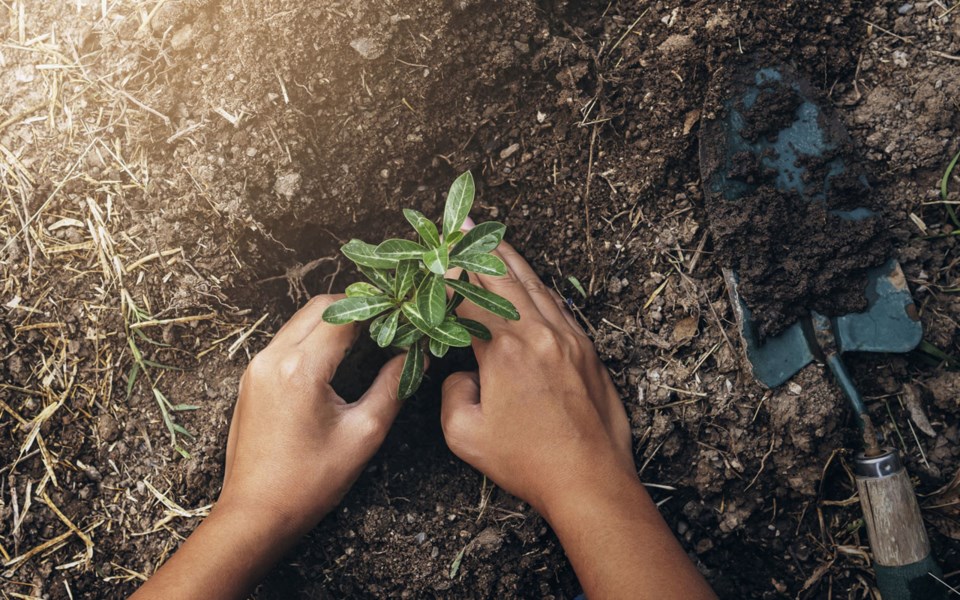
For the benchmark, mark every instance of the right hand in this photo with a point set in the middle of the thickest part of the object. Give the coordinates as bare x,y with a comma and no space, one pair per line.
542,418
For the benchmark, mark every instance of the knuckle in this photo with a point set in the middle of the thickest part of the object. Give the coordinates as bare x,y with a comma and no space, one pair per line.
260,367
291,366
533,285
454,428
547,341
509,344
368,427
321,301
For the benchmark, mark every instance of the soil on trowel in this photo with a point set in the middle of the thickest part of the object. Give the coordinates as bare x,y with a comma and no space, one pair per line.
793,254
773,110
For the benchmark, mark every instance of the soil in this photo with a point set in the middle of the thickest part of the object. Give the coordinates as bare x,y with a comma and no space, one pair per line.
792,256
203,159
792,249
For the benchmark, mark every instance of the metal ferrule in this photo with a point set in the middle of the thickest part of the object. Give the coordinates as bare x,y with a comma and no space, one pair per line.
876,467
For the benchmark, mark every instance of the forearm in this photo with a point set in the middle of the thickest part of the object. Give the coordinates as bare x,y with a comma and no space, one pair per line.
224,558
620,546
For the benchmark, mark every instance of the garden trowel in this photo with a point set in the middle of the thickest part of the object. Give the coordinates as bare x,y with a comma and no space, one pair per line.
903,562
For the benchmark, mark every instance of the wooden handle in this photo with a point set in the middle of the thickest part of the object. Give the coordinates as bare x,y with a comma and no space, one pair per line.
891,512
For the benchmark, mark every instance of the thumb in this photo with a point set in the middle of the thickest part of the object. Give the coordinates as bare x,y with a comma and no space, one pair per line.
380,403
461,406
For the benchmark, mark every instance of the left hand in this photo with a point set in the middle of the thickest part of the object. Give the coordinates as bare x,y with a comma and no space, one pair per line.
295,447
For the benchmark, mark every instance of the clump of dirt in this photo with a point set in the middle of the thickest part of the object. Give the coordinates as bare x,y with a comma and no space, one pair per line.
773,109
792,255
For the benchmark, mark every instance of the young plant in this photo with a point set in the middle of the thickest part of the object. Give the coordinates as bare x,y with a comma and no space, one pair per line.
406,295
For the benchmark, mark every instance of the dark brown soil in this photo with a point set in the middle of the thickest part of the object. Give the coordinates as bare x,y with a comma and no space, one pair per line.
287,127
792,255
792,250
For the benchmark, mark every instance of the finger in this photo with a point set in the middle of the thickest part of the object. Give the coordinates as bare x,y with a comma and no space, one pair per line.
380,404
305,320
567,315
325,346
460,408
524,273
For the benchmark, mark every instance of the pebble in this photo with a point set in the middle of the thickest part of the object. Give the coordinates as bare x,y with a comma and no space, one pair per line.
905,8
288,185
181,39
368,48
420,538
108,428
509,151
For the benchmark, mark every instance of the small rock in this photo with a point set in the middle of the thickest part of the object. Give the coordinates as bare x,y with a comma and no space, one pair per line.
181,39
794,388
288,185
368,48
685,329
905,8
509,151
420,538
682,527
614,286
676,44
911,398
487,541
703,546
108,428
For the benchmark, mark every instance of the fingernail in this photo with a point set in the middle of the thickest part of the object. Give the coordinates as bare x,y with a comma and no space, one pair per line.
468,224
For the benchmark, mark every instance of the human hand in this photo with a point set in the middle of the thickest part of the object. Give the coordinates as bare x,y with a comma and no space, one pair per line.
295,447
542,418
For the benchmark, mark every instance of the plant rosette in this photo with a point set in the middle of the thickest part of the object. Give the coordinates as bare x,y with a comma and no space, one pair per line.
405,294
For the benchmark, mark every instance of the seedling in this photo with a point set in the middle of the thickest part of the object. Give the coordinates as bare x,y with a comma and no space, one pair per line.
406,295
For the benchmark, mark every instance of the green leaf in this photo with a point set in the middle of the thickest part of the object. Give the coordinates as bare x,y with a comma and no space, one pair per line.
355,309
451,334
388,330
412,313
181,407
365,254
397,250
182,431
486,264
438,349
432,299
406,273
380,278
482,238
436,260
132,377
457,299
407,335
476,328
412,373
484,299
376,324
362,289
577,285
453,238
424,226
459,203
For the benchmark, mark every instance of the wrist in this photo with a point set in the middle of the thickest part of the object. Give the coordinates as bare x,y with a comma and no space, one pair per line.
595,490
273,526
